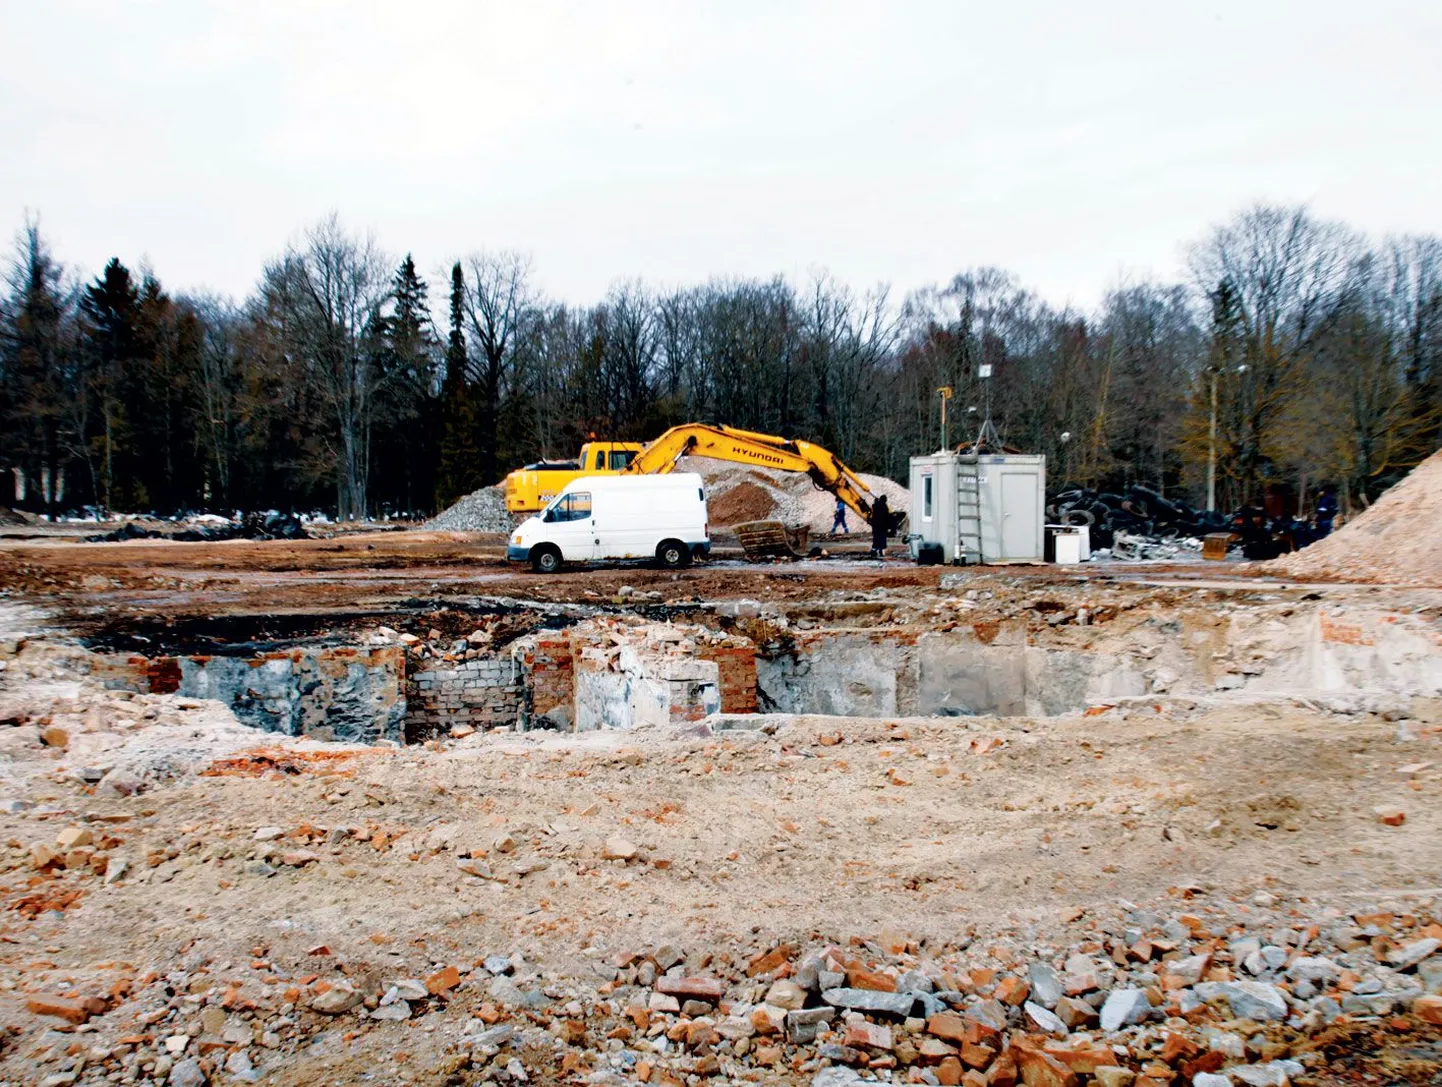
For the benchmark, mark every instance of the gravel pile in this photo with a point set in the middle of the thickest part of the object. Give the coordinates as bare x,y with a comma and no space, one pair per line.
479,511
1392,542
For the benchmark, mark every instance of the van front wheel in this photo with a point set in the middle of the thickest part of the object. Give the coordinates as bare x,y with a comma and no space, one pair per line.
545,560
673,555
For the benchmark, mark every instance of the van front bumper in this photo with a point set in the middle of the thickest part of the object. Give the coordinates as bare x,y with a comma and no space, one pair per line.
517,554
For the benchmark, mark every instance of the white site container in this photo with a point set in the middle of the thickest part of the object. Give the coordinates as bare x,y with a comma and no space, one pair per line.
1012,492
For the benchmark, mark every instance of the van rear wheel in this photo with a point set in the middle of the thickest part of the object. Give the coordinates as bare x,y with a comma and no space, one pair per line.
673,554
545,559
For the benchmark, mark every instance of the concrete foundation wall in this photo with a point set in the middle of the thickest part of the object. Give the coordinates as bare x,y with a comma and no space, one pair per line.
837,674
884,673
1351,649
337,693
627,690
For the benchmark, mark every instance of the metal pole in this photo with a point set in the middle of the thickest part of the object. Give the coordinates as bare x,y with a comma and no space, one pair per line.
1212,450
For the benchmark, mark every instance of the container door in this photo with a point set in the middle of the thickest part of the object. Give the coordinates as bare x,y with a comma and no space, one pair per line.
1019,524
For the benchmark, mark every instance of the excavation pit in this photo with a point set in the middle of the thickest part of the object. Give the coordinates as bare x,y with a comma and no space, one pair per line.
447,670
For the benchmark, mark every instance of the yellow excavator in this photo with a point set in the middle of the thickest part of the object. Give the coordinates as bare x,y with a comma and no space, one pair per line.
530,488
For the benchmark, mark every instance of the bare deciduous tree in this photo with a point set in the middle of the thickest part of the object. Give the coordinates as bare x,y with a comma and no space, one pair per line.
499,296
331,287
1289,276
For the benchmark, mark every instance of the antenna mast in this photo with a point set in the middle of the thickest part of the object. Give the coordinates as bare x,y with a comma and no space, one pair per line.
986,435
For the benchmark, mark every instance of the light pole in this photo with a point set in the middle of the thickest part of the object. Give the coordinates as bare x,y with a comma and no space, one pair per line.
1212,447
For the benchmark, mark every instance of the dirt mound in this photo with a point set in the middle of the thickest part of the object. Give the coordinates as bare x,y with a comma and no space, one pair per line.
735,493
12,518
744,502
1391,542
479,511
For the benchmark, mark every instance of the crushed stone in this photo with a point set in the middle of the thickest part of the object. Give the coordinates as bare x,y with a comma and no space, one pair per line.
480,511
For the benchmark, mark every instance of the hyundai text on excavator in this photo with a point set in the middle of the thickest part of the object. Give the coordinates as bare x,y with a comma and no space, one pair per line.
530,489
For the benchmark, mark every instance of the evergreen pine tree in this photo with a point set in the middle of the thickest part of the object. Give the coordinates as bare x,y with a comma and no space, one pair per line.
458,470
408,409
33,418
110,306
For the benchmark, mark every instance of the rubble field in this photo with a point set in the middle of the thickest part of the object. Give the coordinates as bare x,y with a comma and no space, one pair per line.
381,809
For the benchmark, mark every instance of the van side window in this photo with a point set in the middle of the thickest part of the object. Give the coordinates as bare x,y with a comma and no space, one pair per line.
575,506
622,459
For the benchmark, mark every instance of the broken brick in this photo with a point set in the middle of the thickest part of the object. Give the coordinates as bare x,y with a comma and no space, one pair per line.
708,989
859,1032
75,1010
1013,990
443,981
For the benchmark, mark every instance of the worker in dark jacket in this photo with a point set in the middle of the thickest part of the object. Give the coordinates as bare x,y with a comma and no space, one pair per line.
880,525
1326,512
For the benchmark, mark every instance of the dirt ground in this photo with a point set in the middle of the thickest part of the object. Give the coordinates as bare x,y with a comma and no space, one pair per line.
975,843
372,572
380,569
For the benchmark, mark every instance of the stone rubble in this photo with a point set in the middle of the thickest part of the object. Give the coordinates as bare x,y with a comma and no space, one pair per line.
1202,997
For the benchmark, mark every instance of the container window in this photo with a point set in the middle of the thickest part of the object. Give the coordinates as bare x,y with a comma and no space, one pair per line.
926,498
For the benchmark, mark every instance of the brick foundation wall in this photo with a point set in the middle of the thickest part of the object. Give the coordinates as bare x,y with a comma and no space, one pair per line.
737,665
483,693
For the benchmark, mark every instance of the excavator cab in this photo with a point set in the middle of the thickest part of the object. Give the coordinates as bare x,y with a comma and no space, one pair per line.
607,456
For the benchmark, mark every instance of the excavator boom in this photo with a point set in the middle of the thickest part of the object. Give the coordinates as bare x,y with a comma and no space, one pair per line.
762,451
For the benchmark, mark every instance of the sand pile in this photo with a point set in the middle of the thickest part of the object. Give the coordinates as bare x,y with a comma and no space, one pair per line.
736,493
479,511
1392,542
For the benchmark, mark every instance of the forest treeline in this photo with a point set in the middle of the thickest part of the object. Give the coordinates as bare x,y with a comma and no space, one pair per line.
1300,351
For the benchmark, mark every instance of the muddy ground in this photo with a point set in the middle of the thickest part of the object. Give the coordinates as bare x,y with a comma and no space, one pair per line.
980,841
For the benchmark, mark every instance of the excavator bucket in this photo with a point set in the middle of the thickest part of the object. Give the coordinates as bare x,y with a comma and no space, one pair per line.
772,539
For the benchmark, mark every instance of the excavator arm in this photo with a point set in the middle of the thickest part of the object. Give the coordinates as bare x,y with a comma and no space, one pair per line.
760,450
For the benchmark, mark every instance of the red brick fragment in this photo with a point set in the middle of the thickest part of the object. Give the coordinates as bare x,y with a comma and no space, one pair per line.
443,981
75,1010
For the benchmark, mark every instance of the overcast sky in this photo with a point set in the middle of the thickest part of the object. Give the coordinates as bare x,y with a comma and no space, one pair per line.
899,142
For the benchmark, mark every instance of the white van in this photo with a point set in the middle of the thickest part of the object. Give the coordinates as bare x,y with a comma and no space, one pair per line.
595,518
